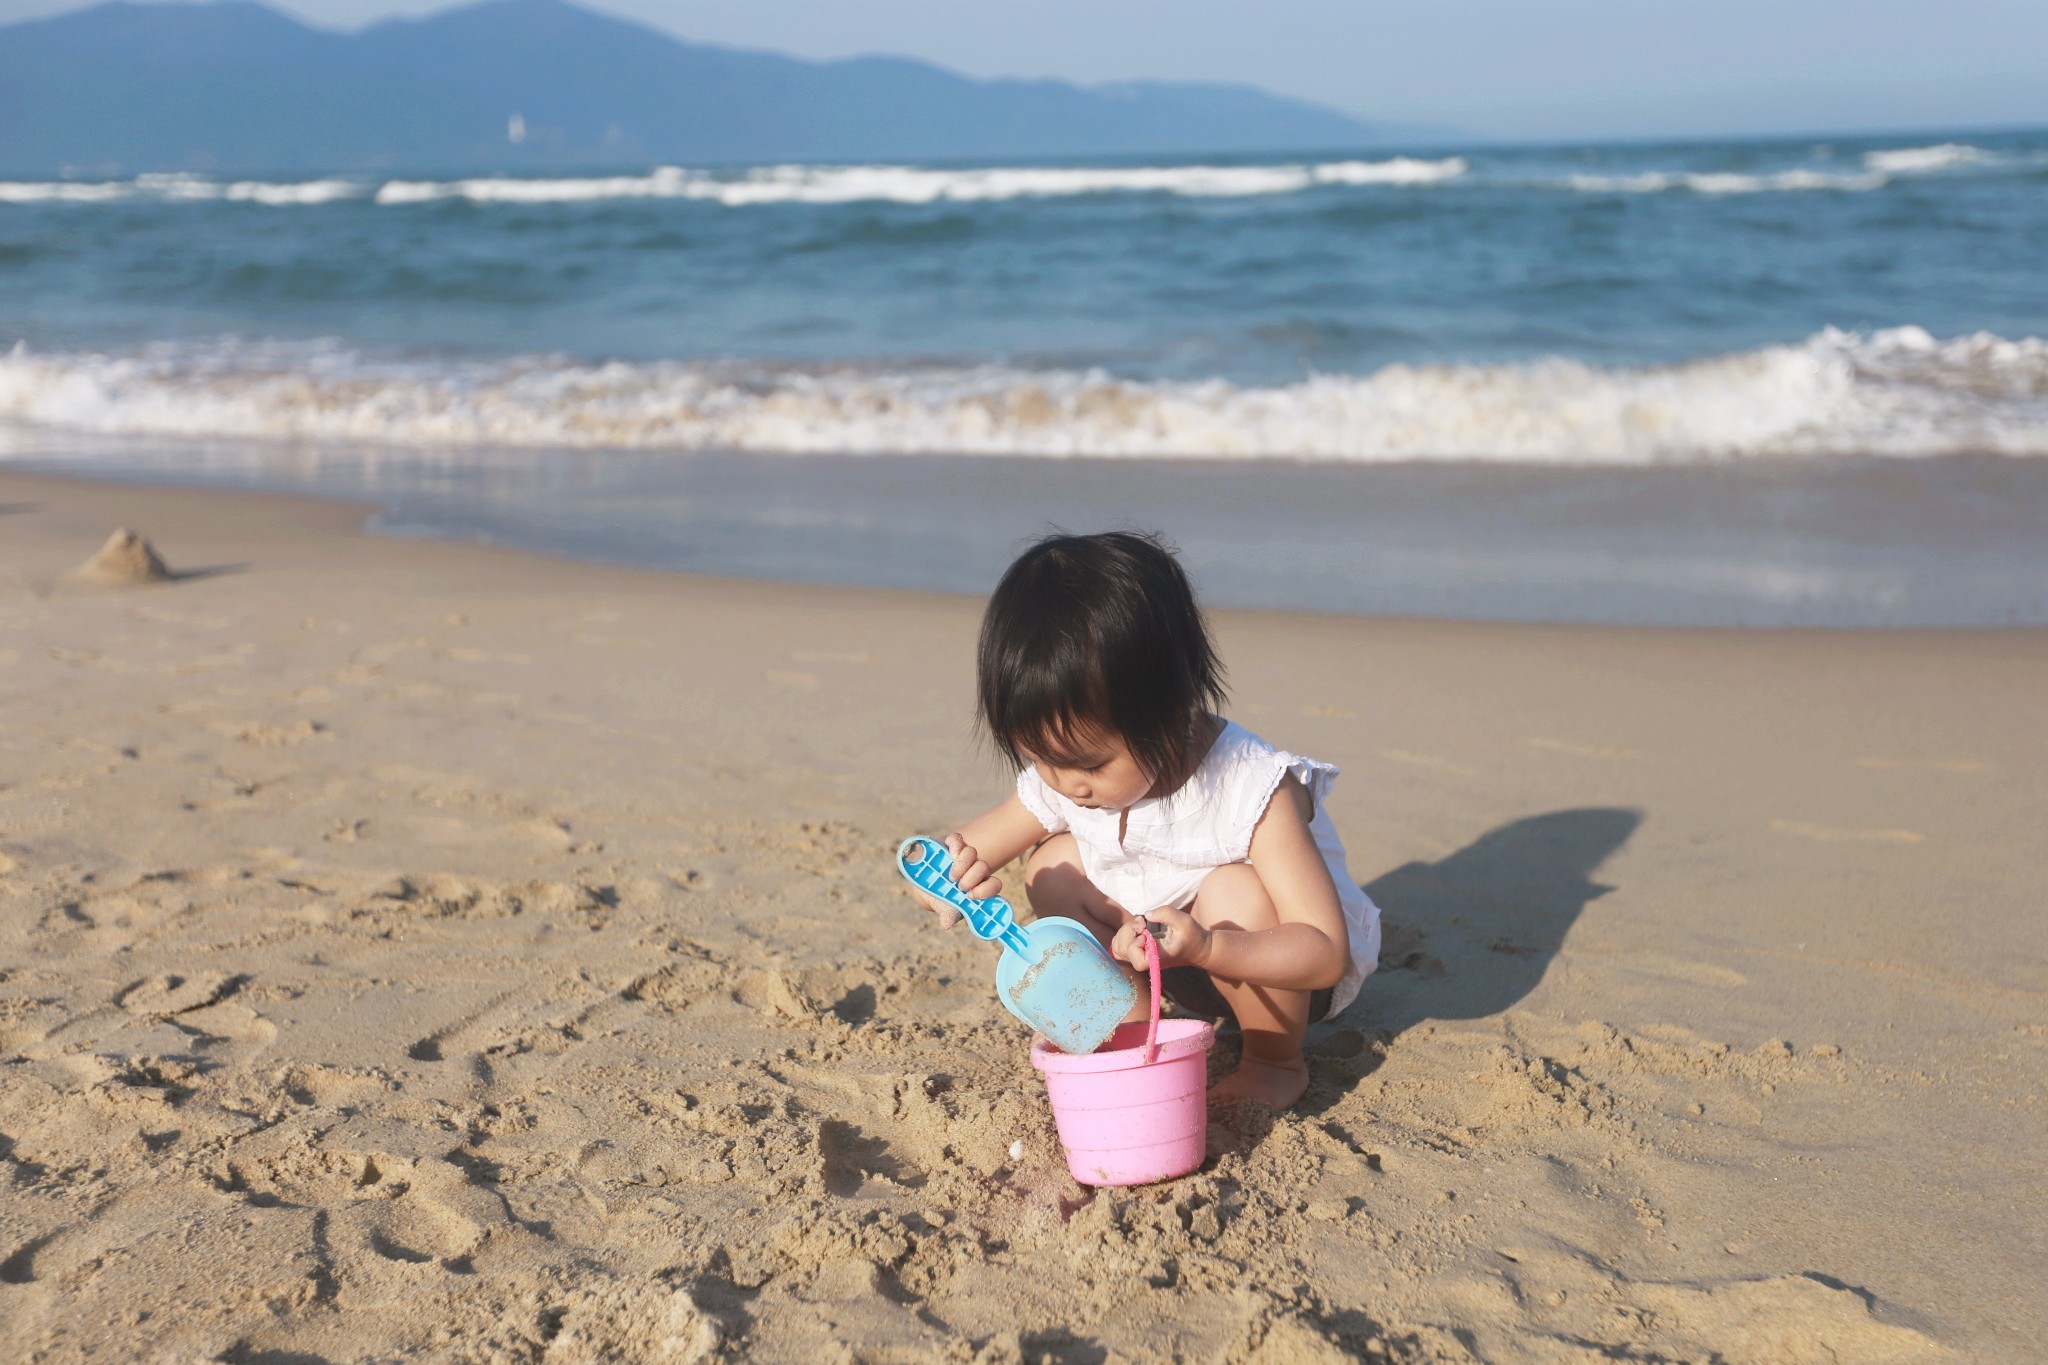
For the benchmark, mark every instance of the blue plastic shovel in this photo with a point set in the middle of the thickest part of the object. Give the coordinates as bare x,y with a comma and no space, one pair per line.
1053,974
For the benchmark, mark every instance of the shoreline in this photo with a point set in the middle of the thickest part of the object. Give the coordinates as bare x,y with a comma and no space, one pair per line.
415,946
1855,542
359,517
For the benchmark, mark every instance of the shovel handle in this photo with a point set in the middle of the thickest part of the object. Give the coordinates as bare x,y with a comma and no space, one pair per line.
926,865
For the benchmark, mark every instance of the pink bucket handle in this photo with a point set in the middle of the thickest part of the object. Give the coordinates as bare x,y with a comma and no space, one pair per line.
1152,969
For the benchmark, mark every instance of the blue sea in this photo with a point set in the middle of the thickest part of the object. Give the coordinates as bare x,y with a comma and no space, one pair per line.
1759,333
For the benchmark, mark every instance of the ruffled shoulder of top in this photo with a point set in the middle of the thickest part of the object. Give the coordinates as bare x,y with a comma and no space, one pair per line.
1211,818
1042,801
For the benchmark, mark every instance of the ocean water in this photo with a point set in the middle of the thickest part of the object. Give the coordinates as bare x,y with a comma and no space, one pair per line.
1796,304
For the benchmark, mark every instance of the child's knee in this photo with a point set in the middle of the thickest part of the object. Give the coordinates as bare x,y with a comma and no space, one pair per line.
1233,897
1055,884
1051,851
1053,872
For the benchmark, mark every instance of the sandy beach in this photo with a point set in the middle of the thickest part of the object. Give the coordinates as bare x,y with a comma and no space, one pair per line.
412,949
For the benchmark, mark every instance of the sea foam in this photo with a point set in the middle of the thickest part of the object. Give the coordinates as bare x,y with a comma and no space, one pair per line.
1898,392
766,185
920,185
797,184
1940,157
176,188
1878,169
1730,182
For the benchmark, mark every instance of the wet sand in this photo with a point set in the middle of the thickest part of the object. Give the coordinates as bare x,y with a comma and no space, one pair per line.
420,949
1861,542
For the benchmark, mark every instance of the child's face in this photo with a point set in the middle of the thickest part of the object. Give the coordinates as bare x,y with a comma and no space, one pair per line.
1095,770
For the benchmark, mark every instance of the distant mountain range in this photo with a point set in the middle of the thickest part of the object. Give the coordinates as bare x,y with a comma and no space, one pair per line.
124,88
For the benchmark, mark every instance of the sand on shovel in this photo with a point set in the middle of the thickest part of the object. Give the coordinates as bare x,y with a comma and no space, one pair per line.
126,558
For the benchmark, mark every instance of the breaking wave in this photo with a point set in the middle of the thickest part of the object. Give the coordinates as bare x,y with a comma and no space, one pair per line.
1940,157
180,188
1899,392
914,185
1730,182
1879,168
928,185
765,185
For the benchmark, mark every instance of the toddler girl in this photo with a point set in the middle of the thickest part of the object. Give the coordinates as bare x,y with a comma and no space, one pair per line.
1137,802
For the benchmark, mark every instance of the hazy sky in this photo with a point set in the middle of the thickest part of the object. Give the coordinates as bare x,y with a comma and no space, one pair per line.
1534,68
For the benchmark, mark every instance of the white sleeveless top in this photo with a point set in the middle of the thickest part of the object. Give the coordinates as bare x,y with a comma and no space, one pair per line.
1171,843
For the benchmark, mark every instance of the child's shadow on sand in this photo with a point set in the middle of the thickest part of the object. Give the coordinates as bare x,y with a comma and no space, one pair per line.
1471,935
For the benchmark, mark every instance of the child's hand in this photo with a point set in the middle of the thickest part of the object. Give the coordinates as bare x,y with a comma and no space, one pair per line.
1183,942
970,874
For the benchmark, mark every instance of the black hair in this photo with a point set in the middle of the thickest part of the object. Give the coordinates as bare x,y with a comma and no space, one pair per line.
1099,632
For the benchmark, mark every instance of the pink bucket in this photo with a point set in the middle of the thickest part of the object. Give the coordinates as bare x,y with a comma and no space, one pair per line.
1136,1109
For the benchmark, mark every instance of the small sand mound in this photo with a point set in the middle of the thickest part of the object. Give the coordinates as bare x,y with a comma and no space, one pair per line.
127,557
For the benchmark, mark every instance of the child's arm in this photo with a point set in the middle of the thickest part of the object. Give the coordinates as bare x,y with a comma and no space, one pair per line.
1308,950
990,840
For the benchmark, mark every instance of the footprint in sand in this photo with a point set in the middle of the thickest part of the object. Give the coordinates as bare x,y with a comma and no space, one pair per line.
851,1156
1826,834
161,997
229,1032
680,986
19,1265
773,993
414,1231
1403,948
550,1021
438,896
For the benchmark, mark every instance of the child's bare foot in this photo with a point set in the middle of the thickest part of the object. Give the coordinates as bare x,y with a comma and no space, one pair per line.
1278,1084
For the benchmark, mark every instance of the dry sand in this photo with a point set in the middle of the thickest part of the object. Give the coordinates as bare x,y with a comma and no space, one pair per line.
422,950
